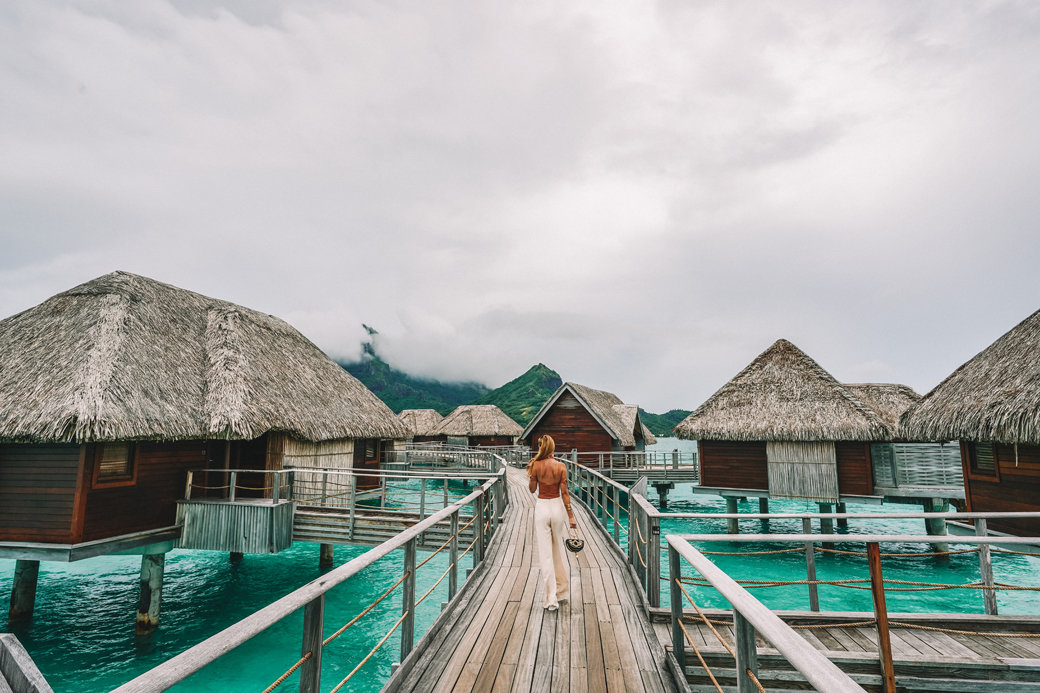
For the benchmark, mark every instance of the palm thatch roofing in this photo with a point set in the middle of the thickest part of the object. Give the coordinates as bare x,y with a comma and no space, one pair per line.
888,400
629,416
124,357
421,422
616,417
479,420
783,395
993,397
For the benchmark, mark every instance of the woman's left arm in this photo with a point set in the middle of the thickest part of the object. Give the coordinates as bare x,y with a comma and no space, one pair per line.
566,496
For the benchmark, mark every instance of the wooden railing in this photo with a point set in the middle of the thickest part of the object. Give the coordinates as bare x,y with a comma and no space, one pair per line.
310,598
623,510
749,616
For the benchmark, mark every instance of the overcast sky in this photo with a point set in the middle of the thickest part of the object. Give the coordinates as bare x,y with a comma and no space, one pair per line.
641,195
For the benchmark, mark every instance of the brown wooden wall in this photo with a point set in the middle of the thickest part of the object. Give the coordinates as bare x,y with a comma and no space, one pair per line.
490,441
149,503
855,475
733,464
1017,490
37,492
571,426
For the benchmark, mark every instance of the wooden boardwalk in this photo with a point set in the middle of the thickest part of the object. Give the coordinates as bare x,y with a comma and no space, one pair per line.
925,660
497,637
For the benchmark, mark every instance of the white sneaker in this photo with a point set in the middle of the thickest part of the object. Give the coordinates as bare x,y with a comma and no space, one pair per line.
552,607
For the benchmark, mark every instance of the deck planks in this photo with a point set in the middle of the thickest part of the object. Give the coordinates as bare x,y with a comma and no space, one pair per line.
499,638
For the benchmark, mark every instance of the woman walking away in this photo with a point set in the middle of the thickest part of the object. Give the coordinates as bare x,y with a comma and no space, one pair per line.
552,512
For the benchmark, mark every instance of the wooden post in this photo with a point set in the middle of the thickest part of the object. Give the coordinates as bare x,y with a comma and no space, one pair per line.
877,588
936,526
732,524
763,505
313,634
408,600
324,488
326,556
986,569
747,653
445,487
231,486
678,642
188,485
453,553
826,523
478,526
842,521
152,565
353,504
23,590
653,561
235,556
617,516
276,487
810,567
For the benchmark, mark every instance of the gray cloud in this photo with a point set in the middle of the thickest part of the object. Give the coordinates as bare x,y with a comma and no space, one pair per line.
643,196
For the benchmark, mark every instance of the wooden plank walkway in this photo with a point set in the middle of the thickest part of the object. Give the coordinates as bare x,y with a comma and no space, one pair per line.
924,660
497,637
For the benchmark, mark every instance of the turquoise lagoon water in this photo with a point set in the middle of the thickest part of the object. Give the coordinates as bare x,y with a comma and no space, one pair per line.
82,632
957,569
82,635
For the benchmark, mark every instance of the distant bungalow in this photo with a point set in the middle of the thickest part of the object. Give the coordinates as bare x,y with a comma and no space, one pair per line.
589,421
991,404
785,426
422,424
479,425
112,391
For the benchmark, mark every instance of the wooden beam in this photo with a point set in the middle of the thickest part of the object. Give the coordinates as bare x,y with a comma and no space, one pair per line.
877,589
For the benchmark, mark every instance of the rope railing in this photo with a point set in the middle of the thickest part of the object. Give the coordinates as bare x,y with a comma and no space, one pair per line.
487,501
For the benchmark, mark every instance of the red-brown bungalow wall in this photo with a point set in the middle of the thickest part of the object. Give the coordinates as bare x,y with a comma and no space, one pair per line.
1014,487
571,427
740,464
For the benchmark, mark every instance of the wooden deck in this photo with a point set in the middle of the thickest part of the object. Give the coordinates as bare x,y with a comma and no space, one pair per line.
924,660
497,637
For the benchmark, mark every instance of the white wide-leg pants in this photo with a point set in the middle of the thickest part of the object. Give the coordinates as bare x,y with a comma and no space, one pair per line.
550,531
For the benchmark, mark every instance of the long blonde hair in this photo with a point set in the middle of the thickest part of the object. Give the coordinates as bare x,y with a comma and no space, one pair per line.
546,448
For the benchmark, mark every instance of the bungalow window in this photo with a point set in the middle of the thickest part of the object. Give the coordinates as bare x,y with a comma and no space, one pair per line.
981,459
113,464
370,450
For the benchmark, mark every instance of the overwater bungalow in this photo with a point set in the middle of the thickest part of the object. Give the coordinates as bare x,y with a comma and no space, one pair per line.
422,425
991,404
111,392
786,427
589,421
479,425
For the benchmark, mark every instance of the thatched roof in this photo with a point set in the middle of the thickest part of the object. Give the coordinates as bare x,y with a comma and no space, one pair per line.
783,395
994,397
126,357
888,400
421,422
615,416
479,420
629,416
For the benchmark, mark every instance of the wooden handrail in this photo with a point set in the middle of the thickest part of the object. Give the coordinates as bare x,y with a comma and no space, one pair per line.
195,658
819,671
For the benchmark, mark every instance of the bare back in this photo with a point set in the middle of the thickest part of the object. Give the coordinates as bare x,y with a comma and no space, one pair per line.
549,476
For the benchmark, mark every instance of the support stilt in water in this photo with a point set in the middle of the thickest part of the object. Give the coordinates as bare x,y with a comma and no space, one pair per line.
826,524
732,524
842,521
152,566
936,526
235,556
763,505
662,492
327,556
23,590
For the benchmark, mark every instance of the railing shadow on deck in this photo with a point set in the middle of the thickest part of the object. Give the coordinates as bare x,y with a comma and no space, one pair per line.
489,502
